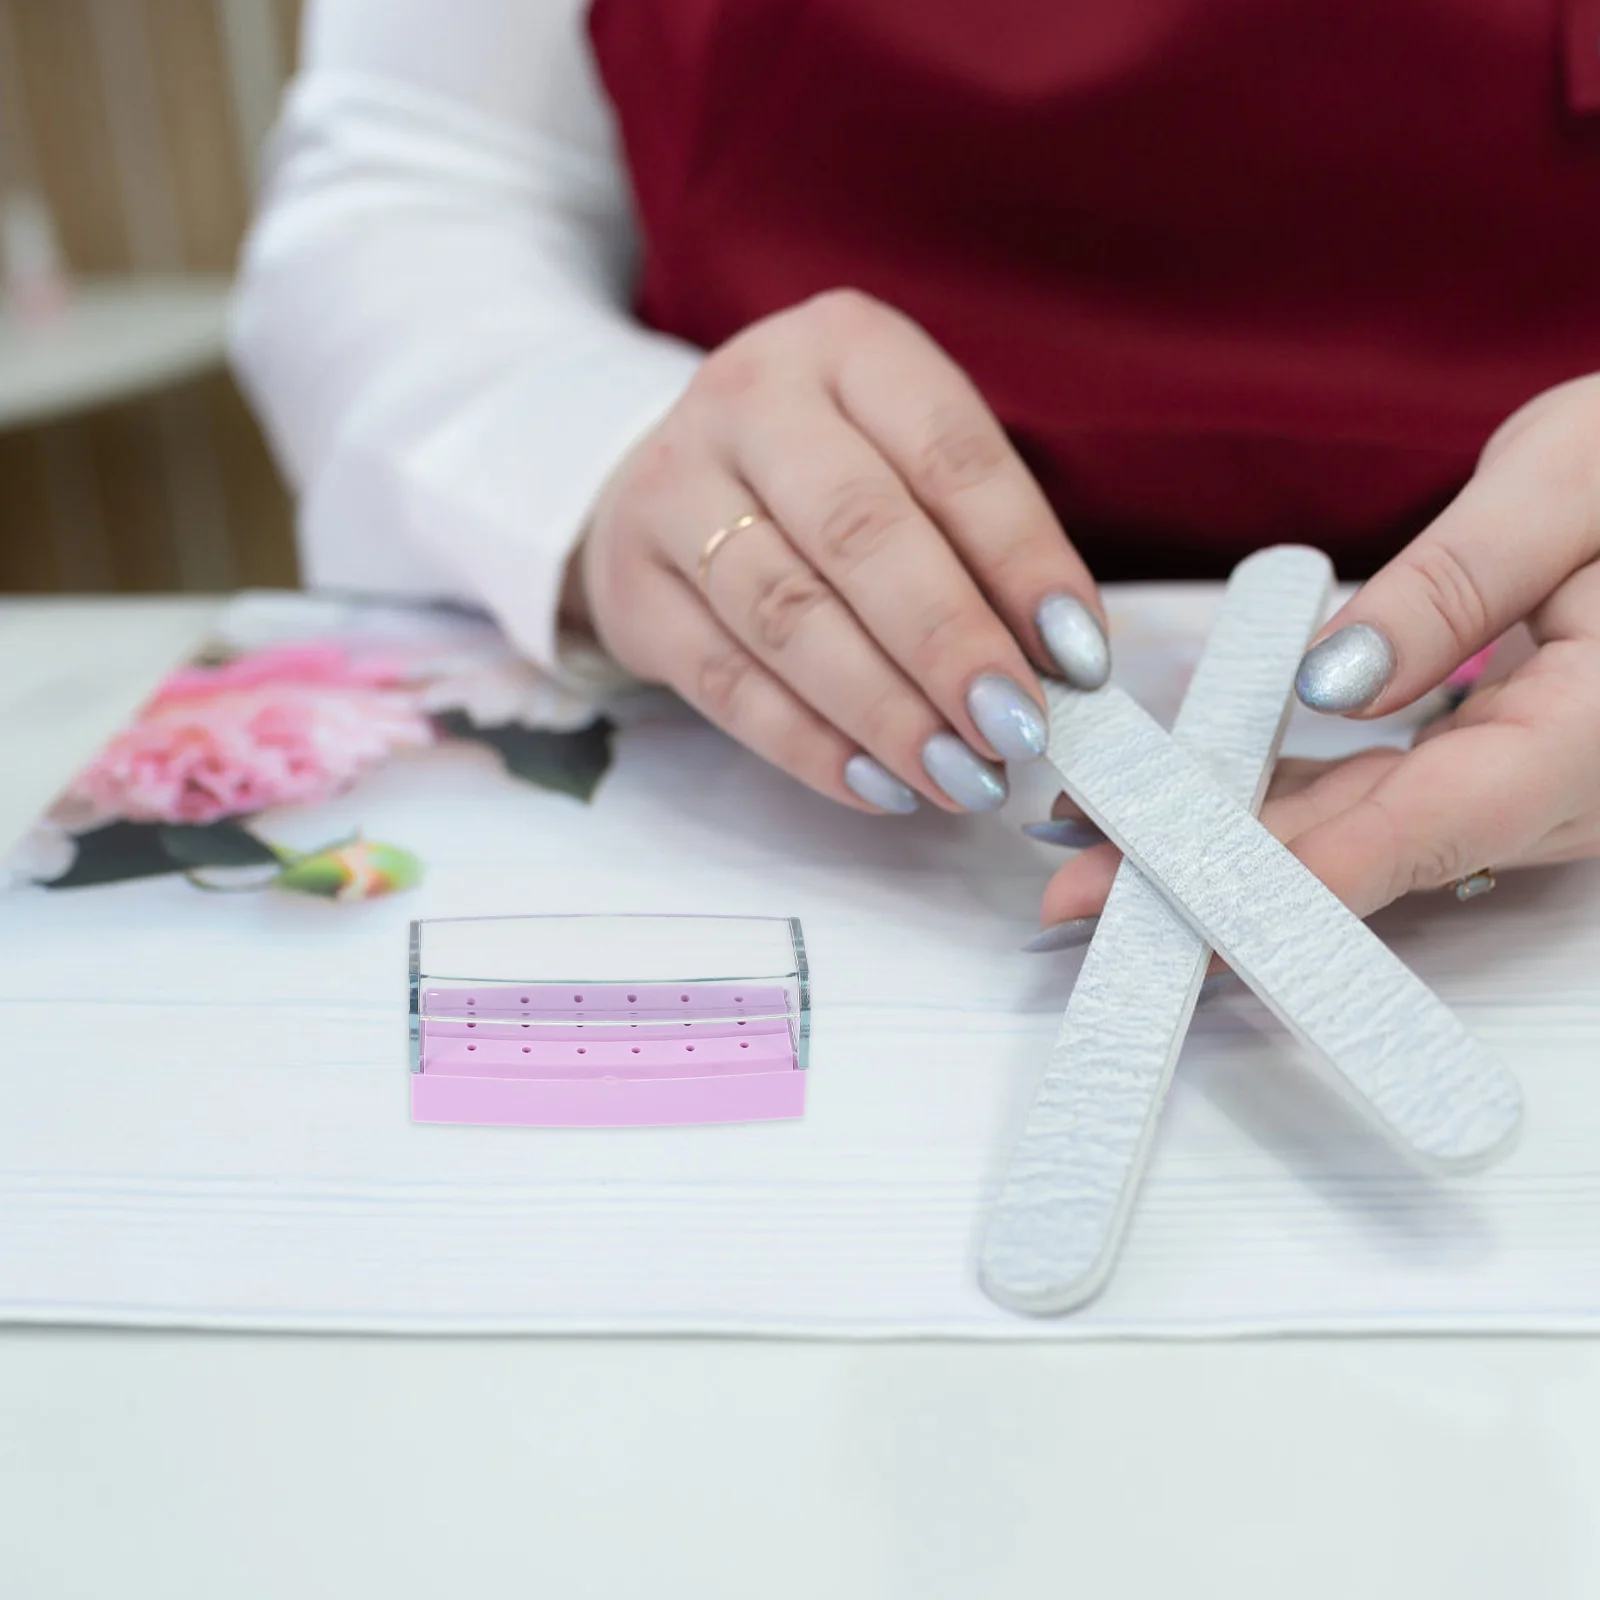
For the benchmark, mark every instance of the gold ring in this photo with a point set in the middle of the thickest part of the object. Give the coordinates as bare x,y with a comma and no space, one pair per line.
720,538
1474,884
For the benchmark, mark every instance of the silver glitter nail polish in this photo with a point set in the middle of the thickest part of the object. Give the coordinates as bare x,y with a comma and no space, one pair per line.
1071,833
970,781
1063,936
1075,640
877,786
1006,717
1347,671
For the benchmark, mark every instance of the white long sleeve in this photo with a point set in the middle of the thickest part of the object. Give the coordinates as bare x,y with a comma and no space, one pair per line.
431,316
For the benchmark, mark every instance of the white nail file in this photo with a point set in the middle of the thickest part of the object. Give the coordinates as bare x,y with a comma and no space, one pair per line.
1058,1223
1391,1042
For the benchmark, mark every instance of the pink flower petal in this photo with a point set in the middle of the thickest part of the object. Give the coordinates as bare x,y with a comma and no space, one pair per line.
300,726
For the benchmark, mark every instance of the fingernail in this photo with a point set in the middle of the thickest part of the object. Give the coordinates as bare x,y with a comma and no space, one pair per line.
1063,936
1347,671
1006,717
878,787
1217,982
1070,833
969,781
1075,640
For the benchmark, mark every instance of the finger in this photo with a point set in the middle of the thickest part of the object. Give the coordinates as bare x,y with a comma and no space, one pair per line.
1079,888
1572,612
1560,683
1481,706
1524,523
1321,790
781,609
1479,796
929,421
847,511
694,654
1296,773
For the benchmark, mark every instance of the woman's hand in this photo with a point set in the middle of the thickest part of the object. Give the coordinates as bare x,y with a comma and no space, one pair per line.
874,632
1512,777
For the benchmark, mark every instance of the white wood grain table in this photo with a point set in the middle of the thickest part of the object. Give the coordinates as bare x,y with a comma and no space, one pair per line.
172,1466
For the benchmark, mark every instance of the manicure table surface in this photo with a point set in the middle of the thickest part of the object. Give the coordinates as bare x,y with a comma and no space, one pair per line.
174,1465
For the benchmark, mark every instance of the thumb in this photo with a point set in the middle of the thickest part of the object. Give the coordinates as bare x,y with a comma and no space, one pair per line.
1524,523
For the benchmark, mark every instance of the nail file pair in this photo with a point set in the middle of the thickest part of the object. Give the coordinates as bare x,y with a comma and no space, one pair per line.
1201,872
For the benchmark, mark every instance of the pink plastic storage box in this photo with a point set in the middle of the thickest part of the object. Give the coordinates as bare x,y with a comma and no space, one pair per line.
608,1021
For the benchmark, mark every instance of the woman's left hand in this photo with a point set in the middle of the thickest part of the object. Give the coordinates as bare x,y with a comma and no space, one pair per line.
1511,778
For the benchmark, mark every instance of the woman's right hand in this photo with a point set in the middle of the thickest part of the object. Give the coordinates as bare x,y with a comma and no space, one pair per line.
872,632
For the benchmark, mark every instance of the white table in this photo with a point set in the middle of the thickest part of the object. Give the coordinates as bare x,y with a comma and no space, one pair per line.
172,1466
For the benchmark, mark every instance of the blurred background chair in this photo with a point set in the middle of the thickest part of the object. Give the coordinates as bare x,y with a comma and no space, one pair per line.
129,134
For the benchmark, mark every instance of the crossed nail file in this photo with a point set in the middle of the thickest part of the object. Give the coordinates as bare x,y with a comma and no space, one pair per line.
1201,873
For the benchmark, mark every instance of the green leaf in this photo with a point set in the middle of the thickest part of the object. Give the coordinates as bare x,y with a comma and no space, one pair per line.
570,763
217,844
319,874
116,853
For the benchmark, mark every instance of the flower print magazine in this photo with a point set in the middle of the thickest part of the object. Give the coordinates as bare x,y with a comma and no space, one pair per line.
292,702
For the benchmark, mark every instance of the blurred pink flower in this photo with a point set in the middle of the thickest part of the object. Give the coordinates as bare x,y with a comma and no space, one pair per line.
268,729
325,664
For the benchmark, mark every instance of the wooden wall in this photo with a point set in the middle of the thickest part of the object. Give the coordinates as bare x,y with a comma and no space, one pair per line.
89,503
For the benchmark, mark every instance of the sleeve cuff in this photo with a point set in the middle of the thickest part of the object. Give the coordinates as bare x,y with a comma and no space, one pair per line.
491,502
